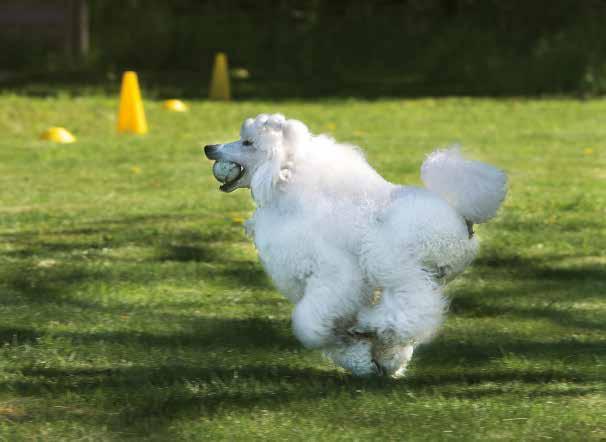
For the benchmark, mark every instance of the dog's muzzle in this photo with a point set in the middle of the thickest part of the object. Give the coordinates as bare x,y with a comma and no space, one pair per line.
211,151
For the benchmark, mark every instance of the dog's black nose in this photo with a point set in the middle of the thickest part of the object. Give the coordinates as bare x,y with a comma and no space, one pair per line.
211,150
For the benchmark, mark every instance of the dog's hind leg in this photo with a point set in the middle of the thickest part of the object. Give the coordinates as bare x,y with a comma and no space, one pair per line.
410,311
413,311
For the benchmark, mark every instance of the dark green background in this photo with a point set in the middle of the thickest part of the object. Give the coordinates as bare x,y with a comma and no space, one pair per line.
330,48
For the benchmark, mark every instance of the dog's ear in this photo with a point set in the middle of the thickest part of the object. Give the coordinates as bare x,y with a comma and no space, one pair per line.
278,169
294,132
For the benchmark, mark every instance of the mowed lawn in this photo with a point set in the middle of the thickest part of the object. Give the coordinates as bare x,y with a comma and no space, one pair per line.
132,306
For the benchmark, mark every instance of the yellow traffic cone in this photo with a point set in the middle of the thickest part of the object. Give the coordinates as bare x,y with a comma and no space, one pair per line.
131,116
219,82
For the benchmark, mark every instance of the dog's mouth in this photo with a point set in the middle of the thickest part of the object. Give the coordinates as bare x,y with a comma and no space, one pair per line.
230,179
229,185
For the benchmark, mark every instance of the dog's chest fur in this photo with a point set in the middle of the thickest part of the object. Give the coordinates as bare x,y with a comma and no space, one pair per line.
291,246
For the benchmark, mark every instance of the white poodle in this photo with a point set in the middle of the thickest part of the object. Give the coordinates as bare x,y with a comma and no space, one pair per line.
364,261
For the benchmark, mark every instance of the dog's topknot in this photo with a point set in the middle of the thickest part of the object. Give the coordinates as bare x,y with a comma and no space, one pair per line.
262,122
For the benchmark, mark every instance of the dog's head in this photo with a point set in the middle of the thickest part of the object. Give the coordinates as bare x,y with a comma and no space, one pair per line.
264,153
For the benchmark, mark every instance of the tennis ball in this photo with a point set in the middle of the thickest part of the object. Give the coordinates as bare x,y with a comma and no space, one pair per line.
226,171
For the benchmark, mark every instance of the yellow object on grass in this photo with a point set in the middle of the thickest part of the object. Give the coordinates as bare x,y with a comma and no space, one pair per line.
175,106
219,82
57,135
131,116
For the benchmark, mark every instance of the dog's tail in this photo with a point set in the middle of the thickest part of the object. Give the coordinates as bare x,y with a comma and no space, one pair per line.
474,189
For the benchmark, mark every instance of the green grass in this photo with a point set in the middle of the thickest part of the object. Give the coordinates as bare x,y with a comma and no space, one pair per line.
132,306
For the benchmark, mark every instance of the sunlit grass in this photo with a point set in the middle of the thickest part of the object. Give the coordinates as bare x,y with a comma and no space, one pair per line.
133,306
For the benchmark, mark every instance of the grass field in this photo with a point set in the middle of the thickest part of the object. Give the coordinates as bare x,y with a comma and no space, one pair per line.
133,307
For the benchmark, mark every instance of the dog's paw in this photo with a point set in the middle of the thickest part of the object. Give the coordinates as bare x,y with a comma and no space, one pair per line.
355,358
391,361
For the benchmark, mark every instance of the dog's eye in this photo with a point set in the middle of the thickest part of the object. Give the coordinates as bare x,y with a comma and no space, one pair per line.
247,143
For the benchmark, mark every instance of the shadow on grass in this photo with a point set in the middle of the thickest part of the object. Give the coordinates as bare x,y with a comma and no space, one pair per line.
19,335
204,334
543,290
163,231
160,394
39,286
139,226
471,307
71,379
444,367
481,351
207,334
188,253
539,269
174,244
243,274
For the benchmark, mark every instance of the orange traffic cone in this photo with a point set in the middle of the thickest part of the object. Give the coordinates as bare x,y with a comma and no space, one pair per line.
131,116
219,83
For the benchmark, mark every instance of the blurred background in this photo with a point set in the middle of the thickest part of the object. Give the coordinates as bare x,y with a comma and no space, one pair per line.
307,48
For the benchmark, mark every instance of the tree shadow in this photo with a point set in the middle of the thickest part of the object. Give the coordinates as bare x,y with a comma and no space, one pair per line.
540,268
39,286
492,392
479,352
160,393
165,392
137,228
246,274
203,334
19,335
188,253
177,244
471,307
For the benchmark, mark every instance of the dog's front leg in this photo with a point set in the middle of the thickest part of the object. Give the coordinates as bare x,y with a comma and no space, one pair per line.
332,297
249,228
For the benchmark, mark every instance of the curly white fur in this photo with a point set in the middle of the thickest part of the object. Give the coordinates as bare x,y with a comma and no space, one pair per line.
363,260
474,189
